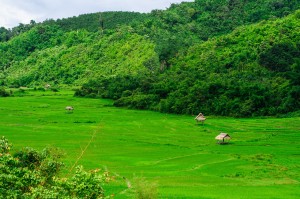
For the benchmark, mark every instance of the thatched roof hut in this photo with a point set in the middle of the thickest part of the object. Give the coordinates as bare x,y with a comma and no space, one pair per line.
200,118
222,137
47,86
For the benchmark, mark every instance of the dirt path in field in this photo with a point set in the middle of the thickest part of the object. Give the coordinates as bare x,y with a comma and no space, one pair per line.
202,165
174,158
85,148
194,168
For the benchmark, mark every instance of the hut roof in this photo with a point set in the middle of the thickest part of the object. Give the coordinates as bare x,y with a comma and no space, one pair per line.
222,136
200,117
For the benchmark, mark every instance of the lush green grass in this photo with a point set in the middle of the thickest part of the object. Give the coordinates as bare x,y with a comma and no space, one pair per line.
261,161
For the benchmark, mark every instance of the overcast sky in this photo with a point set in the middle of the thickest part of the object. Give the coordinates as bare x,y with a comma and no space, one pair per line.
13,12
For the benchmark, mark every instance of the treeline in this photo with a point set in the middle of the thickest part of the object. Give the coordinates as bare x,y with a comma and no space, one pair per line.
93,22
6,34
98,21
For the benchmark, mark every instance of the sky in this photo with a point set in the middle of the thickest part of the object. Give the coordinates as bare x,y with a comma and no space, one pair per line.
13,12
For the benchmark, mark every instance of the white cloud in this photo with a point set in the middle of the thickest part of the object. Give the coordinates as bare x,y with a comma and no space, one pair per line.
13,12
13,15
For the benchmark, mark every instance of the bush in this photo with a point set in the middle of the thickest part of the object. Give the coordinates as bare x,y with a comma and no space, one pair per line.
4,93
35,174
39,89
144,189
138,101
54,89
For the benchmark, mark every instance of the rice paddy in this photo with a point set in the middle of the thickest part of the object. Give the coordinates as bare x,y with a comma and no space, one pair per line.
181,157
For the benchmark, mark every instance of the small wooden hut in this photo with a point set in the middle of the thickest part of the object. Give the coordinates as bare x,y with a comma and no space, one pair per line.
200,118
222,137
69,109
47,86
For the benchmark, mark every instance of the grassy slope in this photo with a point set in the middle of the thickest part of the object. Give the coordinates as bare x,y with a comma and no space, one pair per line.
182,157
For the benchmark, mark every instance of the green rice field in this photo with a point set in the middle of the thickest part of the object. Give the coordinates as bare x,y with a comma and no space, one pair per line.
262,160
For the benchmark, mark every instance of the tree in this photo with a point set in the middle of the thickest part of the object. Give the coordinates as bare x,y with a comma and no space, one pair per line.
279,57
34,174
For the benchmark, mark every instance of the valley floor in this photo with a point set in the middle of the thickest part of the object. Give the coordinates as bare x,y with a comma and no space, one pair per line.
171,151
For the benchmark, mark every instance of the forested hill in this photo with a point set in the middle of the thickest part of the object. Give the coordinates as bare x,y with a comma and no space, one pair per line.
182,25
255,70
231,57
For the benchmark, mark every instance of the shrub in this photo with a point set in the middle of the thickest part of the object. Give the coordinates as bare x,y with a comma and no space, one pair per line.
39,89
35,174
138,101
4,93
144,189
54,89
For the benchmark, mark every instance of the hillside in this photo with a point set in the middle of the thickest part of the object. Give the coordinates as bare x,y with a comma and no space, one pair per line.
226,64
182,25
254,70
88,56
174,29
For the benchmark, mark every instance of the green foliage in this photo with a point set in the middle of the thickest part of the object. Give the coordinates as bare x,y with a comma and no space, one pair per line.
7,34
96,21
84,56
4,34
280,57
144,189
34,174
252,71
5,146
185,24
18,48
195,56
3,92
138,101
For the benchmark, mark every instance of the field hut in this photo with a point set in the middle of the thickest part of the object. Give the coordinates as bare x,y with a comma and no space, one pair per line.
47,86
222,137
200,118
69,109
